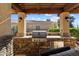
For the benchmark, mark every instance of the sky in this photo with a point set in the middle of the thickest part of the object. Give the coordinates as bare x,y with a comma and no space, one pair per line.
43,17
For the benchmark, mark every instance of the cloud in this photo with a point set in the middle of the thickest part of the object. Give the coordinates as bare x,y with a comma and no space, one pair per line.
32,18
54,19
71,14
14,21
40,19
37,19
48,15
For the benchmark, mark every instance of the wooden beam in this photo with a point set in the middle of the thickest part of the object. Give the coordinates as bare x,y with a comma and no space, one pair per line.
75,11
71,7
43,11
16,7
46,8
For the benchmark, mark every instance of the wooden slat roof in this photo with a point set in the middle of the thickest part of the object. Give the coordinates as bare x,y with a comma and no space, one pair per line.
46,7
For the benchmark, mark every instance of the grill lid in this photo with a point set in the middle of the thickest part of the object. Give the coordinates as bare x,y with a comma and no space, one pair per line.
39,34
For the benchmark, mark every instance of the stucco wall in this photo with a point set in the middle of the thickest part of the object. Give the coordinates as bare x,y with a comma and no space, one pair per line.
5,23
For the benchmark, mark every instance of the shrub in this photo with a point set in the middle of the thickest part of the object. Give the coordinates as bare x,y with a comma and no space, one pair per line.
73,31
54,30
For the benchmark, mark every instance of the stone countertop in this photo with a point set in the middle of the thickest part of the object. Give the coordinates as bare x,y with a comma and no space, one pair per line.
40,31
24,37
48,37
54,37
59,37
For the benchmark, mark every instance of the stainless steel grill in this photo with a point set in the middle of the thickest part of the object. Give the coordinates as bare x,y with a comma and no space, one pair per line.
39,34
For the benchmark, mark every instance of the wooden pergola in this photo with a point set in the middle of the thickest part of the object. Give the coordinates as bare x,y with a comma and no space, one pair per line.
62,9
22,9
